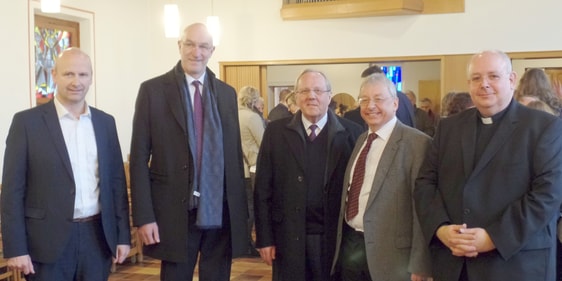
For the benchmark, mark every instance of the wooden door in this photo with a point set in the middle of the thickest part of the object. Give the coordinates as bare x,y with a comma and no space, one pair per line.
430,89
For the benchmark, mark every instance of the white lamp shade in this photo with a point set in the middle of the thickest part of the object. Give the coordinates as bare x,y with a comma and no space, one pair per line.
171,21
214,27
50,6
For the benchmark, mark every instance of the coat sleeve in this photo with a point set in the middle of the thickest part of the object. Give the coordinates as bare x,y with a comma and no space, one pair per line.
13,190
143,212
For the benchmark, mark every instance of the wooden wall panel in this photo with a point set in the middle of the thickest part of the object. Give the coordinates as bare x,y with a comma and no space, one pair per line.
453,73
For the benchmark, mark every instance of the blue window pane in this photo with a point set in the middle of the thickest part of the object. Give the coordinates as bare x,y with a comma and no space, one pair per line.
394,73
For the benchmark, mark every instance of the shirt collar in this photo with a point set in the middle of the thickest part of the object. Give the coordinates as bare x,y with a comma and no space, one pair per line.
62,112
386,130
190,79
321,123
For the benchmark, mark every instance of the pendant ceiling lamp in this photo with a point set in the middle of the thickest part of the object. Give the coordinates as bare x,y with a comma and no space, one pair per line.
50,6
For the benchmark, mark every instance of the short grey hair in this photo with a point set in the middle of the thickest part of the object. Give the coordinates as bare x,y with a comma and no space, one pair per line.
379,78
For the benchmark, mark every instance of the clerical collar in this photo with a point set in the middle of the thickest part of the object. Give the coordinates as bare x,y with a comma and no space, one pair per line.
494,118
487,120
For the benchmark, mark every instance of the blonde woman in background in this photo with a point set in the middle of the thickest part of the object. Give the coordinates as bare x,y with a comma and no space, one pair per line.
251,133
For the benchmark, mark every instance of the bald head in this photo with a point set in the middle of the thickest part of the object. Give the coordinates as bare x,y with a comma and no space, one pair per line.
71,54
196,47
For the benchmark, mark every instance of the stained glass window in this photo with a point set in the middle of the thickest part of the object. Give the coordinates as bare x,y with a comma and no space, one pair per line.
49,42
394,73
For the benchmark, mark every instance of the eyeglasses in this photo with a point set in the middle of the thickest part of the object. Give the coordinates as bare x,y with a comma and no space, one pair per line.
367,101
315,91
492,77
191,45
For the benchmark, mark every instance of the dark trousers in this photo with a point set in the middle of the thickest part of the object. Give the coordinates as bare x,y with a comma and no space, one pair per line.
353,256
86,257
317,267
249,182
211,246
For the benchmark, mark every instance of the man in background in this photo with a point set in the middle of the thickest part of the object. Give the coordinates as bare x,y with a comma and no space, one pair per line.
423,123
281,110
65,211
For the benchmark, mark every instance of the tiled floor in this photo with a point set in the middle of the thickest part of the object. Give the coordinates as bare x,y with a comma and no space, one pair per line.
243,269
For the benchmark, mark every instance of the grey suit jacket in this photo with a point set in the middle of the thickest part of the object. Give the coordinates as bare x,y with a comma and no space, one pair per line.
38,189
393,238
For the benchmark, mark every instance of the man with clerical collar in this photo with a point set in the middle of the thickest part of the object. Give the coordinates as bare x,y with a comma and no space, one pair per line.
488,195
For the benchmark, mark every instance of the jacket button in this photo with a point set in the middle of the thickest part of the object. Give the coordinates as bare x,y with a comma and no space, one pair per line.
300,178
466,211
184,167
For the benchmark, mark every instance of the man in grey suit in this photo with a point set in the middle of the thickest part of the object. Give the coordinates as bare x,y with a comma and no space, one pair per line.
379,237
65,211
187,178
489,192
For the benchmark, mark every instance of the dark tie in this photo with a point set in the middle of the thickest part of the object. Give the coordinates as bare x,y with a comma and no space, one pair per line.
312,135
357,180
198,123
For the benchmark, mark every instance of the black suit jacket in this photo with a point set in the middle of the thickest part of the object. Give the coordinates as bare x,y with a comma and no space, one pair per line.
38,187
160,191
280,190
513,192
280,111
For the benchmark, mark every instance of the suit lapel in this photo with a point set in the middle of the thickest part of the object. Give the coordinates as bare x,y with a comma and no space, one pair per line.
385,162
468,142
354,154
294,136
334,129
176,92
101,140
500,137
55,132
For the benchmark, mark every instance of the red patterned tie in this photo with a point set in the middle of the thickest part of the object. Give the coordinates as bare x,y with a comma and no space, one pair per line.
198,120
357,180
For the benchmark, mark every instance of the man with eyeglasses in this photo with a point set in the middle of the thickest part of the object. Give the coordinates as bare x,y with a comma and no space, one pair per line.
298,184
488,194
187,180
379,237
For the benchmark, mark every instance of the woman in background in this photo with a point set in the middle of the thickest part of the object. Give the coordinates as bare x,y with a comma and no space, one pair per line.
252,127
534,85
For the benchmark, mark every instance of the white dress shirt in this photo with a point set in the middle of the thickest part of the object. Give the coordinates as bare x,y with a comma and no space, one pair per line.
190,80
320,124
80,141
371,165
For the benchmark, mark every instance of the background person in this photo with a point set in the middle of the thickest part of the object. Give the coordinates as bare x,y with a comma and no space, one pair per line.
535,85
64,203
251,133
281,110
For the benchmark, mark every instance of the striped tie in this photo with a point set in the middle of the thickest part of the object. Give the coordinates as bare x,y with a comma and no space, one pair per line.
357,180
312,135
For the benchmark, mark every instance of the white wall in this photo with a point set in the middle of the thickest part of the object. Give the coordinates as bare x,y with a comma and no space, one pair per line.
130,46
